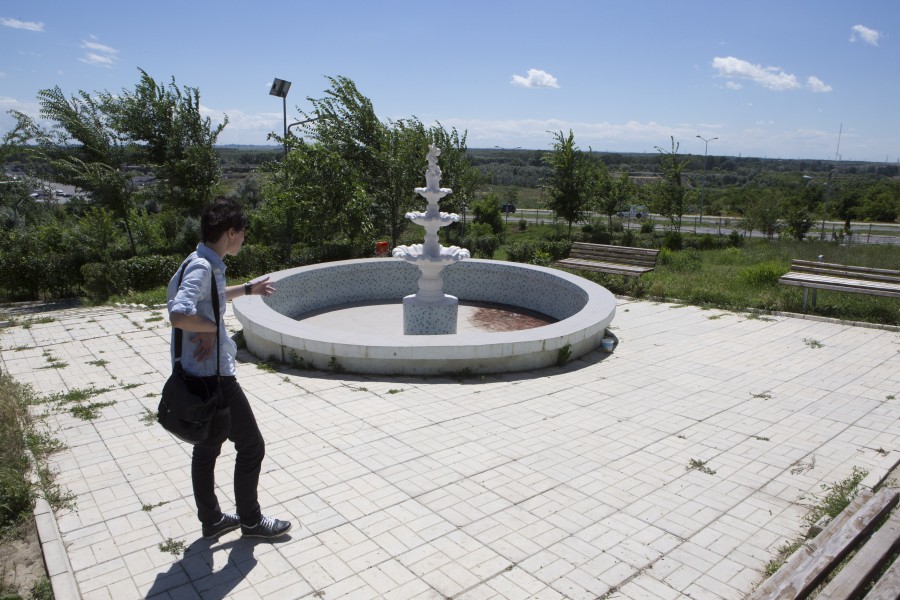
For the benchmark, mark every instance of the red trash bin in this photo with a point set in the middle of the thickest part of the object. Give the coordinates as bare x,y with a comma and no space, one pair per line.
381,248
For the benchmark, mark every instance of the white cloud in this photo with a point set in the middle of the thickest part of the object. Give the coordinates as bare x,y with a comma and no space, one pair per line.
817,85
869,36
99,47
733,85
536,78
98,54
17,24
773,78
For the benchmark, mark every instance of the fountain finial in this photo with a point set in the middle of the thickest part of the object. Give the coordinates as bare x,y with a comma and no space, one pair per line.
433,173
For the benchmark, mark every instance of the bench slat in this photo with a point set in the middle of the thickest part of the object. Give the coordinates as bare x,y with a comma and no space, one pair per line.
887,586
859,275
811,563
841,284
624,249
844,268
855,574
603,258
593,265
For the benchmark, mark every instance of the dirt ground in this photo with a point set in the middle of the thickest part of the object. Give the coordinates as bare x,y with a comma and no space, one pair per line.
21,561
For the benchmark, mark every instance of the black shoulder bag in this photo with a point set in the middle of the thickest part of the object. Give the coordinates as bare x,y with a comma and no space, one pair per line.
189,408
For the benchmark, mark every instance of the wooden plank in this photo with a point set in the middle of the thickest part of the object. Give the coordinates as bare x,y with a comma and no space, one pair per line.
888,585
821,280
874,553
828,553
848,268
767,589
630,249
841,285
589,265
848,274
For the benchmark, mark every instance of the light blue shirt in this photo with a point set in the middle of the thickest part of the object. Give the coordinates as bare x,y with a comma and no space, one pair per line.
194,296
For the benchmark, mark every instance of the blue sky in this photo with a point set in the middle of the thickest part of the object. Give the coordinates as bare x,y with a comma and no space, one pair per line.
769,79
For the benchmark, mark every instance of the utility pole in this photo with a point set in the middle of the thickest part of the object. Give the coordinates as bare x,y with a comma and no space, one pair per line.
703,183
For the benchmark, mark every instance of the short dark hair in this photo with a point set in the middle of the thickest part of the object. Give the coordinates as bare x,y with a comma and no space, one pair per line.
220,216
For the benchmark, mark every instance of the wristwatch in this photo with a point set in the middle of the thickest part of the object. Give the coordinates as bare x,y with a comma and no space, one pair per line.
248,288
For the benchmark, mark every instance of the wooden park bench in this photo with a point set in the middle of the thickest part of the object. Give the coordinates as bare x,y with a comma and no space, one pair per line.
617,260
852,529
815,275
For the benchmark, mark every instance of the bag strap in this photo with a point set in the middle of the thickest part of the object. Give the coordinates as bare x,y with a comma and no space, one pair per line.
215,302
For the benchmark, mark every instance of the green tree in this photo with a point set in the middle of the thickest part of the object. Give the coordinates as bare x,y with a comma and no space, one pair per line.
315,196
487,210
570,180
614,194
93,138
796,213
164,123
881,203
81,148
389,156
667,195
762,212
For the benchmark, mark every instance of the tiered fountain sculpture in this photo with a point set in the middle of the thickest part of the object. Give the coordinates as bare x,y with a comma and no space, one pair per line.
430,311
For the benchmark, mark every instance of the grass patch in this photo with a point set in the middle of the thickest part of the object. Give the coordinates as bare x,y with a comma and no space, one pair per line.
149,417
90,411
699,465
173,547
98,363
813,343
837,496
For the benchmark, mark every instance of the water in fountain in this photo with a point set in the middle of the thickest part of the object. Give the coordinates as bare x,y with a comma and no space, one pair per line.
430,311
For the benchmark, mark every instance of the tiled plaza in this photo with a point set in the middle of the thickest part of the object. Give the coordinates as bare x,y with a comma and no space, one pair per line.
672,468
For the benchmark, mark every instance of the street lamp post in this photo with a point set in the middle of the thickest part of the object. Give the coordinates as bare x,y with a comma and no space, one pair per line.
280,88
703,183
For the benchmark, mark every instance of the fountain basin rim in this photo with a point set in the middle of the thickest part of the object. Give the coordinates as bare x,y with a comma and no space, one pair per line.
272,332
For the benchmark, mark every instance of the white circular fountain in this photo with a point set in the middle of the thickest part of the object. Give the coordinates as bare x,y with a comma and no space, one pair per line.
282,326
275,326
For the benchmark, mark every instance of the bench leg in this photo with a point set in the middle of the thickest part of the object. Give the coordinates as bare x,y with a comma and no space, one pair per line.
814,298
805,294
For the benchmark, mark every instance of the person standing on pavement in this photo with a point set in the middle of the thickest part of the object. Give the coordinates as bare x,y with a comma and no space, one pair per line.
223,225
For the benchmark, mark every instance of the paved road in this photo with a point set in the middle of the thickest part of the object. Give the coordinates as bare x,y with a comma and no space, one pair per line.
866,233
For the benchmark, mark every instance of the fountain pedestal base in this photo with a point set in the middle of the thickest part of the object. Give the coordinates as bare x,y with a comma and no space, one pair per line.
432,318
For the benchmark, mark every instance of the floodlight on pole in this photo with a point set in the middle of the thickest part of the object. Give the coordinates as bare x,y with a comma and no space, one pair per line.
280,88
703,183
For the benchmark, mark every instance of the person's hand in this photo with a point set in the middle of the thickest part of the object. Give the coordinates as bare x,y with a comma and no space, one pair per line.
262,287
205,344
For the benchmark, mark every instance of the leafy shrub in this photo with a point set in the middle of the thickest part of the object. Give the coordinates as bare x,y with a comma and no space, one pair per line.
665,257
102,280
532,252
763,274
143,273
541,258
672,241
523,224
685,260
252,260
647,226
482,246
304,255
735,239
628,238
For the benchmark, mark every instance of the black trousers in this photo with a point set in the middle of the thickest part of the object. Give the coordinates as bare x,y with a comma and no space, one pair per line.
250,447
